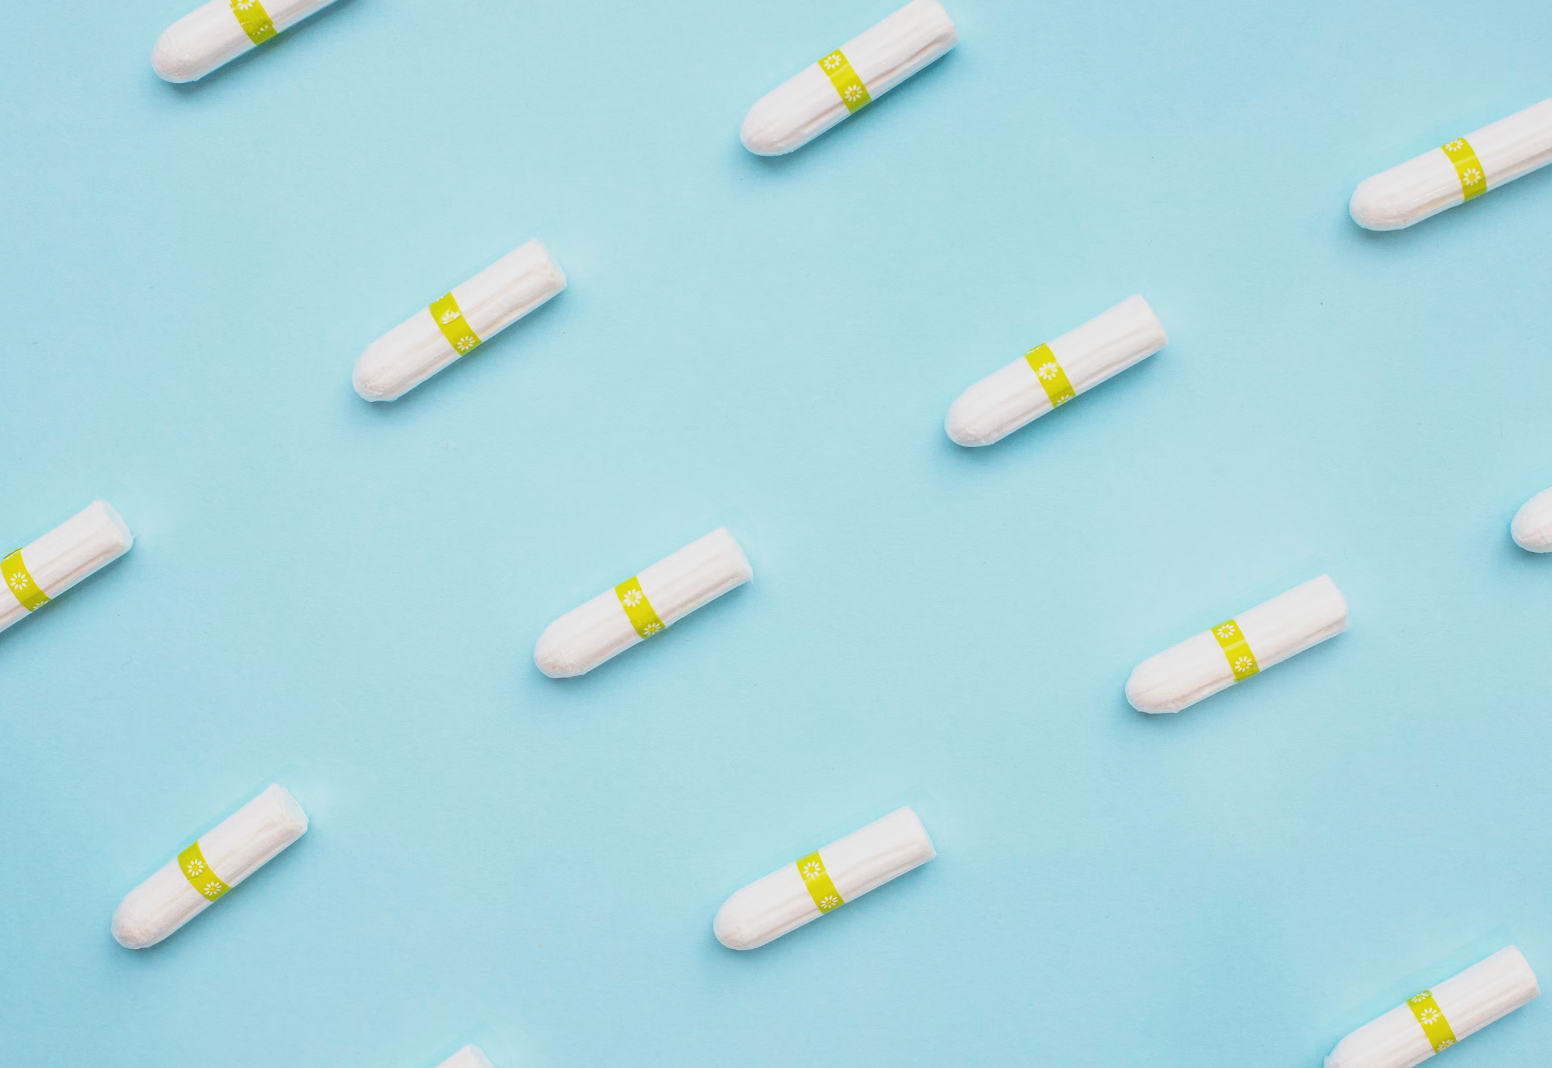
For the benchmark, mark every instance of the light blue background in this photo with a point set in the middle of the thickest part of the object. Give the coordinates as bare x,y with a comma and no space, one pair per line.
344,598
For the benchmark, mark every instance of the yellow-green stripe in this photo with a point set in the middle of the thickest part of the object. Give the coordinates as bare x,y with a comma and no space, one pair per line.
255,21
1236,650
196,869
817,881
1431,1019
21,583
449,319
643,617
846,81
1052,378
1473,177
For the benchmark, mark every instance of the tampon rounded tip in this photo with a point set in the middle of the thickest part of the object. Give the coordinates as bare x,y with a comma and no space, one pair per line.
764,131
110,516
1532,526
175,57
553,651
1153,687
973,419
1375,208
375,377
729,927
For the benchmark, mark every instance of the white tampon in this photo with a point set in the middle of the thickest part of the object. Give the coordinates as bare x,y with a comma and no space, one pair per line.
468,1057
1052,374
456,324
643,606
1238,648
864,68
84,544
187,884
822,881
1462,170
222,30
1532,526
1436,1019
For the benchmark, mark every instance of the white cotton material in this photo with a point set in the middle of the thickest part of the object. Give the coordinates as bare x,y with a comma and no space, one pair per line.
1429,184
1532,526
491,301
675,586
210,36
76,549
1484,992
468,1057
1106,345
806,105
239,846
1277,629
770,907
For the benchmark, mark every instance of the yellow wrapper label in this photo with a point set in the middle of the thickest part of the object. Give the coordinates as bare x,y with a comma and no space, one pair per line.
1473,179
1431,1019
196,869
839,70
817,881
449,319
254,20
1043,362
21,583
1241,660
643,617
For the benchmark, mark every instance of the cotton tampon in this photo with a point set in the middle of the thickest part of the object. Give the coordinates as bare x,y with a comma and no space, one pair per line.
468,1057
823,881
1052,374
456,324
1461,170
642,607
848,79
220,31
187,885
84,544
1436,1019
1239,648
1532,526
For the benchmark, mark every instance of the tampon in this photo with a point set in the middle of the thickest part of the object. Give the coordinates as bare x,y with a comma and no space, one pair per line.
823,881
81,546
1532,526
1436,1019
848,79
187,885
217,33
1052,374
1238,648
642,607
1460,171
456,324
468,1057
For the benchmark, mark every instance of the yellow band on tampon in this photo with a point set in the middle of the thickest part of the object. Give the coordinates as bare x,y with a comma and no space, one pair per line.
449,319
20,582
1431,1018
639,610
839,70
196,869
818,883
1473,179
1241,660
1043,362
254,20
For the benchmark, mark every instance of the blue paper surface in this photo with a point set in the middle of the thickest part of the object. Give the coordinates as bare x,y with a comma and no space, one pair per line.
343,598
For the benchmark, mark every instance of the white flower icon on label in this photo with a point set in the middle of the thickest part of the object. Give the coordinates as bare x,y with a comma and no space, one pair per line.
1430,1016
196,867
1418,999
1456,145
1445,1043
19,582
1048,371
1228,630
828,902
833,61
853,93
812,870
1472,176
464,344
242,5
1243,664
651,628
632,598
450,315
212,890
